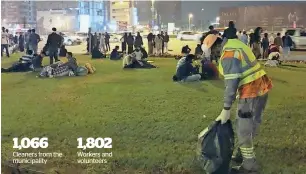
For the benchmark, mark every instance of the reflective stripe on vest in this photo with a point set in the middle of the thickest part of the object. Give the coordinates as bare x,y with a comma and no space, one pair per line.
251,70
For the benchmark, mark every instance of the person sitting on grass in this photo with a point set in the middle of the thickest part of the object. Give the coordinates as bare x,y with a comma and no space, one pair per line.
130,61
63,51
186,72
23,65
185,51
209,70
137,54
115,55
37,61
96,53
144,53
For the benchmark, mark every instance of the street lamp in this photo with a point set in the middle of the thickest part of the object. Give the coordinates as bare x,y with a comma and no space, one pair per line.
217,20
190,16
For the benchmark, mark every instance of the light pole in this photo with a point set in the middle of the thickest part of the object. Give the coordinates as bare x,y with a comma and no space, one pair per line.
190,16
202,20
217,21
153,13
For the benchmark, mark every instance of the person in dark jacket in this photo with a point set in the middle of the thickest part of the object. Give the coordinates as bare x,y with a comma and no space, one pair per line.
287,42
166,40
265,46
123,42
115,55
21,42
231,31
186,72
63,51
53,44
130,43
138,40
162,35
278,41
37,61
185,50
150,43
107,37
198,51
257,41
96,53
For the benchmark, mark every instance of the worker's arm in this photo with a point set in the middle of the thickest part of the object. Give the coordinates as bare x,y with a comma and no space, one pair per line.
232,72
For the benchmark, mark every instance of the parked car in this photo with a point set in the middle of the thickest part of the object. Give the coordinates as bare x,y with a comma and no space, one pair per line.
69,41
298,36
114,38
188,35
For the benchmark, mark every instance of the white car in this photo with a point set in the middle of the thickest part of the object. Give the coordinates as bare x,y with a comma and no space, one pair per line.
69,41
114,38
188,35
298,36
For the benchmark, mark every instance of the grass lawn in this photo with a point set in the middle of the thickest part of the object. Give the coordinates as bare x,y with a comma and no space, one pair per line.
153,122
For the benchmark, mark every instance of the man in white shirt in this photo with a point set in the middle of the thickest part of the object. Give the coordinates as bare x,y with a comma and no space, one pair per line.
4,42
271,39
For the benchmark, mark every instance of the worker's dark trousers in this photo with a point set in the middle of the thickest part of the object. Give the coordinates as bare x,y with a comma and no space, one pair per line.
248,120
53,55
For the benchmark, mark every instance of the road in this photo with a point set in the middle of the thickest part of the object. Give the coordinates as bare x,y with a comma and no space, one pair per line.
174,45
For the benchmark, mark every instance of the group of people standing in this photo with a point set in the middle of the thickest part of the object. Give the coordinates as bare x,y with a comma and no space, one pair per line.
100,41
158,44
26,41
257,42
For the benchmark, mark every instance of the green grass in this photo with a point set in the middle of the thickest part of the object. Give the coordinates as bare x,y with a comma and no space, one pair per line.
153,122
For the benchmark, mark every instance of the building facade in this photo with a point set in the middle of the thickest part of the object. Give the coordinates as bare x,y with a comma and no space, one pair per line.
123,14
18,13
62,20
56,5
269,17
94,14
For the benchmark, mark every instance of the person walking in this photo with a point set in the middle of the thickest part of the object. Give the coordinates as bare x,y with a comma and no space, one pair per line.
265,46
244,74
257,41
21,42
102,43
278,41
33,41
130,43
123,42
107,37
4,42
150,43
158,44
287,42
271,39
138,41
166,40
53,44
244,38
163,42
27,38
95,40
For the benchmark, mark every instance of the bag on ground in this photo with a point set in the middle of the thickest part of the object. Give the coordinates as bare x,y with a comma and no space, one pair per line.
215,148
81,71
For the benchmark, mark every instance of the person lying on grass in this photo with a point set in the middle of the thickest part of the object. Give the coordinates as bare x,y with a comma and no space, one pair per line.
26,63
115,55
186,72
60,69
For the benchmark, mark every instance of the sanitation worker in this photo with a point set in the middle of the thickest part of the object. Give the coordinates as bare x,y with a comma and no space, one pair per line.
243,74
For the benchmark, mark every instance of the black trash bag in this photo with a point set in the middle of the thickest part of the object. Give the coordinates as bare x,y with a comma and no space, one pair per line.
215,148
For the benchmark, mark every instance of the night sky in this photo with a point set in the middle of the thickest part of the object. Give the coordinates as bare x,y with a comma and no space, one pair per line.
211,9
